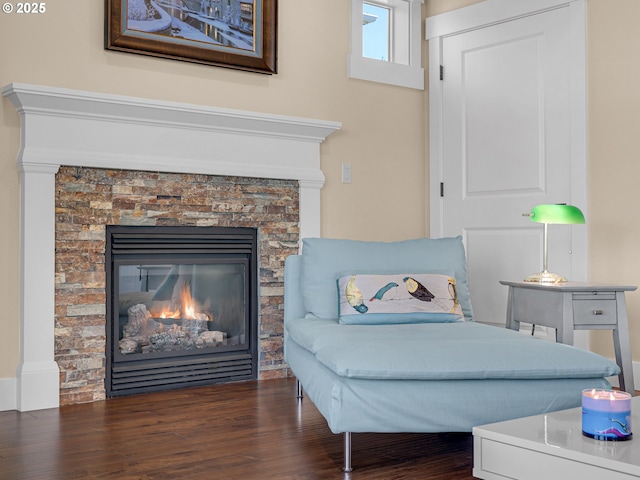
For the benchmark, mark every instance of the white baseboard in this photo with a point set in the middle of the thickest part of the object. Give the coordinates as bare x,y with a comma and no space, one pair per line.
8,394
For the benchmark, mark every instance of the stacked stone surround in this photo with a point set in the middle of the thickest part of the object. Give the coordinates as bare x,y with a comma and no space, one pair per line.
88,199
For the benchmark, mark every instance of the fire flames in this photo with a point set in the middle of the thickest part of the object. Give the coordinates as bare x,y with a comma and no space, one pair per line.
187,308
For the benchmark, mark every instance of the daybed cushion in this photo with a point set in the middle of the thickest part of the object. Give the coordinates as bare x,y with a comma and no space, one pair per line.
441,351
325,260
398,298
369,405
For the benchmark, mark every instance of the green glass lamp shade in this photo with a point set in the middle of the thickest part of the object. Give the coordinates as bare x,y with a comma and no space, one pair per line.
556,213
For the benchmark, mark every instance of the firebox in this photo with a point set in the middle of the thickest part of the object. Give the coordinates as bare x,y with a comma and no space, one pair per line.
181,307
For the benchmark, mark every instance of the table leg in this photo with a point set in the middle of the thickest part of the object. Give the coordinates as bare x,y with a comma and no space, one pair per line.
622,347
511,321
564,332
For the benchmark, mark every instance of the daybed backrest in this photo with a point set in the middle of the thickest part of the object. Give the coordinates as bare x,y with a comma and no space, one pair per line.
324,260
293,300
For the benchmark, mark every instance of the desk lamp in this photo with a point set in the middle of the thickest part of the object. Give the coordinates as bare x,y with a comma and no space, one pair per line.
557,213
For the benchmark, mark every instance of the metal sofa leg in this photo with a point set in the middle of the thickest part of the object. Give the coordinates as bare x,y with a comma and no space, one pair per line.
347,452
299,394
347,435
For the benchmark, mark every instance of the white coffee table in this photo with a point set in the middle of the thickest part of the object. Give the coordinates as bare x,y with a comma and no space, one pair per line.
551,446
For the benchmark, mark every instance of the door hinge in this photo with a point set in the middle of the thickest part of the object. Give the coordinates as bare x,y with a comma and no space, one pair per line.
441,72
442,189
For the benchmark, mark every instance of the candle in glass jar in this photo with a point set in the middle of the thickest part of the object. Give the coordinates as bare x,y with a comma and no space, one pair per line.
606,414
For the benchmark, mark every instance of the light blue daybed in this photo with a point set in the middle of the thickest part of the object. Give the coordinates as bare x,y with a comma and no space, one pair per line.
385,373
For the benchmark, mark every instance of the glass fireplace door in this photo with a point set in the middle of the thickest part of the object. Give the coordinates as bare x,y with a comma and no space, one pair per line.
180,307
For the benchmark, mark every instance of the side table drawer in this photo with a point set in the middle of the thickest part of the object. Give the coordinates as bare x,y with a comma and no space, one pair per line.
594,312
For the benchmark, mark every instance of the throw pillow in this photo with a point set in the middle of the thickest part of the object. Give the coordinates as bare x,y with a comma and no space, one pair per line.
398,298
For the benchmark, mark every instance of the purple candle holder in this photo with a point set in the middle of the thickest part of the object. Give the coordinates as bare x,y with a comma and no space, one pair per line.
606,414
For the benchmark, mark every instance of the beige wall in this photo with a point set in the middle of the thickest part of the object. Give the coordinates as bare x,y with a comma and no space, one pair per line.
614,149
435,7
383,134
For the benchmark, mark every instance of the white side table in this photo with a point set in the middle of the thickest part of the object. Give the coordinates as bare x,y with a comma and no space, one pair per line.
573,306
550,446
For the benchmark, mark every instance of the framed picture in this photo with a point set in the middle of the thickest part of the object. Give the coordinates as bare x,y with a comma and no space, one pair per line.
238,34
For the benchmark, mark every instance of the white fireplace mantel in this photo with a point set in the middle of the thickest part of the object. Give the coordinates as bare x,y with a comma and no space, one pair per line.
86,129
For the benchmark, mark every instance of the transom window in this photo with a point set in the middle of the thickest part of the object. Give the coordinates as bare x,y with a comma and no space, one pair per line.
385,42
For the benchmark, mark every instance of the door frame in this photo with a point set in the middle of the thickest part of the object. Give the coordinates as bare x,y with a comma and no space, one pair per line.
484,14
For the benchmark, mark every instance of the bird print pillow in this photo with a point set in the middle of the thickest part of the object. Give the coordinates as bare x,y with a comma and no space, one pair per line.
398,298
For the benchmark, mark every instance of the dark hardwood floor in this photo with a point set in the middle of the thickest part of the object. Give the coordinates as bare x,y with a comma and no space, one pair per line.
252,430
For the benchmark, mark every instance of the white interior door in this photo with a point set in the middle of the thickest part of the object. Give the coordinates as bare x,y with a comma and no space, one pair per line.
506,143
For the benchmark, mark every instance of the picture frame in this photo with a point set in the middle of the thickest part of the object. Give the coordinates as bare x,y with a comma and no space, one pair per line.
238,34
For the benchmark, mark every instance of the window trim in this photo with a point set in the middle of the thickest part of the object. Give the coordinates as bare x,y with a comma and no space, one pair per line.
409,74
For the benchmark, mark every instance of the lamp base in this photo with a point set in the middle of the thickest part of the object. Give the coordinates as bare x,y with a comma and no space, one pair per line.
545,277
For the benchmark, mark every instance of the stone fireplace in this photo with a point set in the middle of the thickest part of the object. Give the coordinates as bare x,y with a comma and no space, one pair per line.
70,135
98,206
